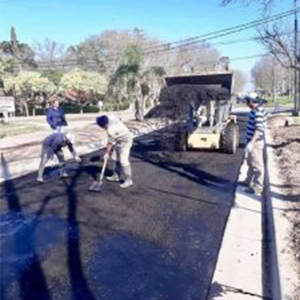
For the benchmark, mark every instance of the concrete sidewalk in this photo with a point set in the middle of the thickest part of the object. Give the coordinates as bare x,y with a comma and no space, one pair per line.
238,274
254,261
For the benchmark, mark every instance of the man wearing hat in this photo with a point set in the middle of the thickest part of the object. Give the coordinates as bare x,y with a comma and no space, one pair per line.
255,144
52,145
118,147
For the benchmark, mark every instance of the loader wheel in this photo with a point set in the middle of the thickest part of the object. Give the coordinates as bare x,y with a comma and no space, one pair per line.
230,138
180,140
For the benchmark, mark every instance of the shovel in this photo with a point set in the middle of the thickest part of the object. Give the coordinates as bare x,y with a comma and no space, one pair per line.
97,185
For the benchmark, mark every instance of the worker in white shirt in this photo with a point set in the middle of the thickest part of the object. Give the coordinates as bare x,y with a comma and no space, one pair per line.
118,147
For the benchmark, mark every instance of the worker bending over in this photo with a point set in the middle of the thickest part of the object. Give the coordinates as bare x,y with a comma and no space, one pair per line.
118,147
52,145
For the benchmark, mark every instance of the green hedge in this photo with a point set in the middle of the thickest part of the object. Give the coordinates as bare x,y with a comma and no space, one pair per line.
70,108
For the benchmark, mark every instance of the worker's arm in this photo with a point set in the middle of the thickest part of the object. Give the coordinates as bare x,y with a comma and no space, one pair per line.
259,126
73,151
109,147
255,136
50,119
65,123
71,148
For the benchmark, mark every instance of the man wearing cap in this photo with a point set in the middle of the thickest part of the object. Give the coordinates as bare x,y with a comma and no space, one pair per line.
52,145
255,144
118,147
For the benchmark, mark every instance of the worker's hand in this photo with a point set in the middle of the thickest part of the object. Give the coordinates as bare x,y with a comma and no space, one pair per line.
77,159
106,156
249,147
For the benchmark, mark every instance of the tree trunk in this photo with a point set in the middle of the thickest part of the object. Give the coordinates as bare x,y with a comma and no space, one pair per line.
138,111
26,109
33,111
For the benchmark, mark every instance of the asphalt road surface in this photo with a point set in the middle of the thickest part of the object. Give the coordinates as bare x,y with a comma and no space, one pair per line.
158,240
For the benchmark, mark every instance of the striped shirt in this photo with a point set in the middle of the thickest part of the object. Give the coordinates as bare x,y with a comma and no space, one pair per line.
256,122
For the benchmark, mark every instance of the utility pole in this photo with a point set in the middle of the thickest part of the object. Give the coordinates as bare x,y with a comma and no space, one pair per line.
296,72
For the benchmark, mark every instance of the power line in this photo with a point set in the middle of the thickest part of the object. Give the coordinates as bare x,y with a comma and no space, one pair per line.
198,64
232,42
70,62
188,42
225,32
248,25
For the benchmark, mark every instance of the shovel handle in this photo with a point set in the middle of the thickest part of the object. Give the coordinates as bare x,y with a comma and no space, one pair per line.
103,170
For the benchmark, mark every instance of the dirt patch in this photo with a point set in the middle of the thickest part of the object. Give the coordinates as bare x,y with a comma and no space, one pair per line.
286,144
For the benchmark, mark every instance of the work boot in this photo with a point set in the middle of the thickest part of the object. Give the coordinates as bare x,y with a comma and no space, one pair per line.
128,177
113,178
40,179
127,183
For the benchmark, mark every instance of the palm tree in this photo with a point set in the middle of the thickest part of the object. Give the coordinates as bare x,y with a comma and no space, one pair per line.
131,83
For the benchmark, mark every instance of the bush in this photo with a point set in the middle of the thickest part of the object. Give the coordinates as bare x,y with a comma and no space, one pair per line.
70,108
113,105
91,109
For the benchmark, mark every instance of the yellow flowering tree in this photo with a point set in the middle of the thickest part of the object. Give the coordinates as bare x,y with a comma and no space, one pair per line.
83,87
29,87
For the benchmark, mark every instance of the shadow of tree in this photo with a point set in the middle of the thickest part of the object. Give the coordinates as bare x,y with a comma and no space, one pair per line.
31,279
80,288
284,144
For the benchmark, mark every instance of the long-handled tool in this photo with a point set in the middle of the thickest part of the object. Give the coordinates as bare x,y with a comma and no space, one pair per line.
96,185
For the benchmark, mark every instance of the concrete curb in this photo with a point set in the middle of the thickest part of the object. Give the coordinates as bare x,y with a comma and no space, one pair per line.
253,261
238,273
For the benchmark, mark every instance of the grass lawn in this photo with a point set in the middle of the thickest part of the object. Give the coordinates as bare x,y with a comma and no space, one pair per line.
282,101
15,128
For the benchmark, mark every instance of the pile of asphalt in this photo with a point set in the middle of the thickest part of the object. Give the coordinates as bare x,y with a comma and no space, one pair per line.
175,100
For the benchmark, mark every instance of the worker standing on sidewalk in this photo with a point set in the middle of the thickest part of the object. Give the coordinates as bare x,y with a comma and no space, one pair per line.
53,145
255,144
118,147
56,116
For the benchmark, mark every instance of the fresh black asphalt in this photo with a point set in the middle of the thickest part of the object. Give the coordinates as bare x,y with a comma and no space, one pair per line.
158,240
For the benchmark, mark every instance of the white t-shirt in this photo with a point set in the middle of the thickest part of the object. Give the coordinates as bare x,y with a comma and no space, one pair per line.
117,131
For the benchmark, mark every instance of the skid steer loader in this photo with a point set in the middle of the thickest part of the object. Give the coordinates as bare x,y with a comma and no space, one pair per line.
209,123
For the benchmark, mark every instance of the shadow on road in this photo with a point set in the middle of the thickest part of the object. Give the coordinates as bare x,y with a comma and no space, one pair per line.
21,262
79,287
32,283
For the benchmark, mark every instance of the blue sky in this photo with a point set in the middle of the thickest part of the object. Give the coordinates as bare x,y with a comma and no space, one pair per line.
70,22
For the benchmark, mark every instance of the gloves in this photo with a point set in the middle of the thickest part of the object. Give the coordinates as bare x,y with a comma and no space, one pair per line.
106,156
249,147
77,159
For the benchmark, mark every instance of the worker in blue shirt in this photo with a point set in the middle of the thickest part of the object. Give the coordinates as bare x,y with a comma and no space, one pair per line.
56,116
52,146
